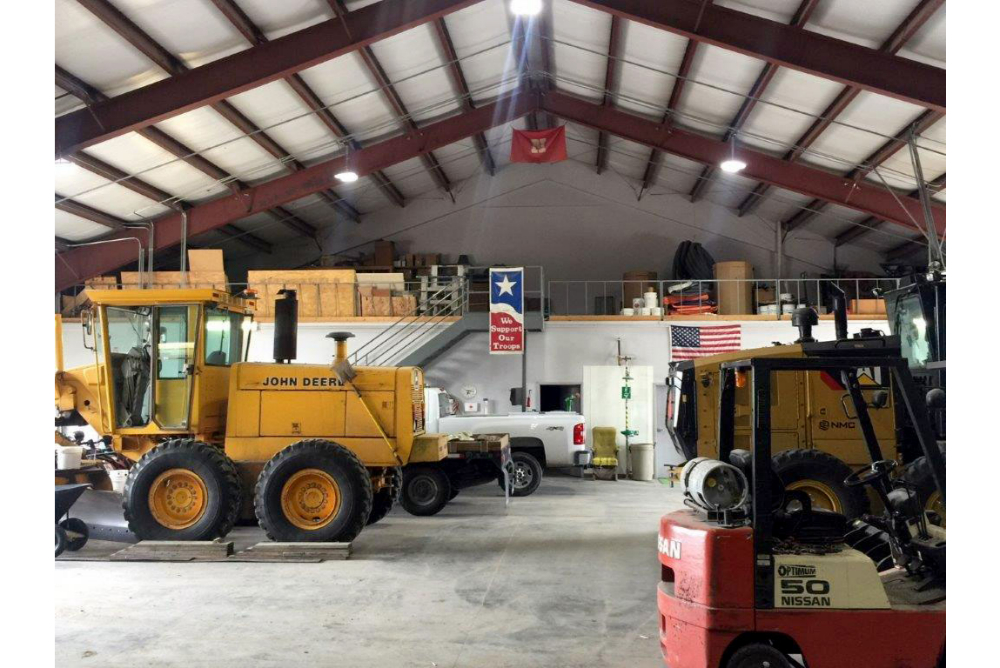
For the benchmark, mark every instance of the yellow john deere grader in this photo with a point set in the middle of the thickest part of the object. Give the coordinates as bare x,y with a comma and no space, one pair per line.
314,451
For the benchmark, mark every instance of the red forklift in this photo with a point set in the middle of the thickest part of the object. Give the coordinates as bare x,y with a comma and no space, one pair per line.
753,577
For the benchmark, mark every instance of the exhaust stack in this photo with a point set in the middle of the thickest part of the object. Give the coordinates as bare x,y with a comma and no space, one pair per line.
839,312
286,324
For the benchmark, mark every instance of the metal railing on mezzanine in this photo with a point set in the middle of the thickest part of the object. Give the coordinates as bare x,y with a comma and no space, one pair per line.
756,296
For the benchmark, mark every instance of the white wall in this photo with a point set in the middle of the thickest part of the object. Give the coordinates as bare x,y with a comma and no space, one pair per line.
556,355
575,223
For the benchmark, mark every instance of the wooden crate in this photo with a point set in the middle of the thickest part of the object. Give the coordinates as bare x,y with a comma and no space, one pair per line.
734,294
321,292
215,280
868,307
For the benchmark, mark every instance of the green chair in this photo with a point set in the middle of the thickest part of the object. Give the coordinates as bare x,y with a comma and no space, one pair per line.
605,463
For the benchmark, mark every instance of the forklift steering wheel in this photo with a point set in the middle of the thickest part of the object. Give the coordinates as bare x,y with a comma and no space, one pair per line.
869,475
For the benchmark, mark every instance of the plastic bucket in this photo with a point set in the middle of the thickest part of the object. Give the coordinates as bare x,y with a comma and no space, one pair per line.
642,461
69,456
118,478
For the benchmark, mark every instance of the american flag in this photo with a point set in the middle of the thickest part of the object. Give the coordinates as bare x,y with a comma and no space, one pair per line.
690,342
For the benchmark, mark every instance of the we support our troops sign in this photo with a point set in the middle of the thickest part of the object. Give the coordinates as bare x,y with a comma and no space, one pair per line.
507,311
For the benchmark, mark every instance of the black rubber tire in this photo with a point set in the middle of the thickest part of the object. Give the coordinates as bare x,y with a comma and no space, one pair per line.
758,655
798,464
222,483
385,499
338,462
454,493
918,473
532,465
76,526
61,540
426,490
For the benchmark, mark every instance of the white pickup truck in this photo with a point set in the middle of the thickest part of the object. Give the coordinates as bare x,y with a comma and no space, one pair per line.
537,440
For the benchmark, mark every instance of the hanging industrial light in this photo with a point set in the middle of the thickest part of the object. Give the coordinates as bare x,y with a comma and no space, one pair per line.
347,175
525,7
732,165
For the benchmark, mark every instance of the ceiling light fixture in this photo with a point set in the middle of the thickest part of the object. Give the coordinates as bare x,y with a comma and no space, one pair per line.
346,175
732,165
525,7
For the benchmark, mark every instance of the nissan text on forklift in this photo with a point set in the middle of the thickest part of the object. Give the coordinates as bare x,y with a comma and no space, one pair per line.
754,575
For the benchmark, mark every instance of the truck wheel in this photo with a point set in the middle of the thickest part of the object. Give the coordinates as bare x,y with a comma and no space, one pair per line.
918,473
77,533
821,476
385,499
758,655
313,491
527,474
182,490
426,490
454,493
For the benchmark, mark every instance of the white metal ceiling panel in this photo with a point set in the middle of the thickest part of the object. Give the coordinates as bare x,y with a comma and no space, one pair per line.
277,19
718,81
789,105
74,228
413,63
282,114
205,131
860,21
88,188
898,169
781,11
580,70
928,45
649,58
865,125
345,85
136,155
192,30
87,48
481,37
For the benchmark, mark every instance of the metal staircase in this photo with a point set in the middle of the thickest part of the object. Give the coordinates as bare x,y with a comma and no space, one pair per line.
438,321
423,333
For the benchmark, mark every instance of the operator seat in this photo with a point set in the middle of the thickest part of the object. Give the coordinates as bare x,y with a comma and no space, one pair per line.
801,522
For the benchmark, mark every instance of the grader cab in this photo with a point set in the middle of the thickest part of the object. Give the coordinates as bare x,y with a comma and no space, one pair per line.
314,451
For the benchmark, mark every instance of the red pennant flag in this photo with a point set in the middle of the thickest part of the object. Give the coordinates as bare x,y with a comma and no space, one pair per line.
538,145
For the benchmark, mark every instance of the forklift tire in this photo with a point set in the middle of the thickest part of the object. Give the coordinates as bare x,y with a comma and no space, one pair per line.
454,493
182,490
527,474
313,491
918,474
426,490
821,476
758,655
385,499
61,540
77,533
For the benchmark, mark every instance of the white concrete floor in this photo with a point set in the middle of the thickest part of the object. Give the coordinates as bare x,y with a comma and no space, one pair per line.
566,577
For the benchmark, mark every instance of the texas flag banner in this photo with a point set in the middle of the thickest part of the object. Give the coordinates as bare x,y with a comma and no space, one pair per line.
538,145
507,311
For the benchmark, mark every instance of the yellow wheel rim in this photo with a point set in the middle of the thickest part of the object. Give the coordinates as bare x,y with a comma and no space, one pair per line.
310,499
820,494
178,498
935,504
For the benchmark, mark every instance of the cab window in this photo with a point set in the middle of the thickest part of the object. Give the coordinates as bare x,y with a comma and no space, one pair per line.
223,337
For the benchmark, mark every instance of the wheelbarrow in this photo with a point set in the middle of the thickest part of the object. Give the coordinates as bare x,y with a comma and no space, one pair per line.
71,532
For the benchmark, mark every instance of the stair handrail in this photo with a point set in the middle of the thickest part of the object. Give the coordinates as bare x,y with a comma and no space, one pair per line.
386,335
406,336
